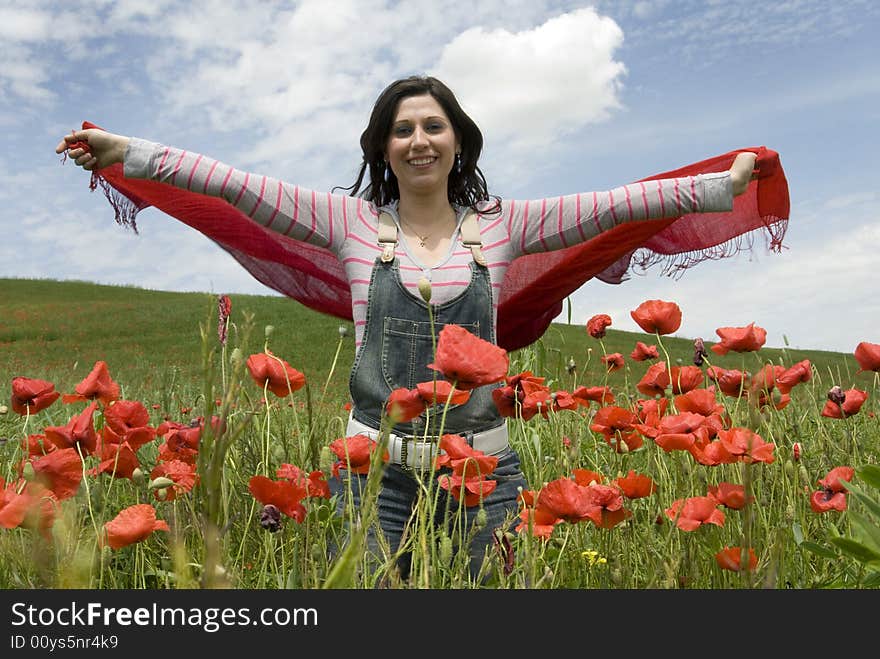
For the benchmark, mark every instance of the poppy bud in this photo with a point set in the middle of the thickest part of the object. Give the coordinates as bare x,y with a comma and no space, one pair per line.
481,519
236,357
159,483
162,494
27,472
571,367
326,459
343,331
796,451
137,476
699,351
270,518
805,477
836,395
789,469
445,550
3,409
268,330
425,289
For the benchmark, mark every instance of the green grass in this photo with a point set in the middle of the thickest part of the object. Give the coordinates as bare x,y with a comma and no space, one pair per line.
162,349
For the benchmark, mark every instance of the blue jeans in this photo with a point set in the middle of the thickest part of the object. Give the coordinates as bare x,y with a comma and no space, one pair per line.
400,491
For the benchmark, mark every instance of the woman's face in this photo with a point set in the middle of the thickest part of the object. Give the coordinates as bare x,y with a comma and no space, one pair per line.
422,145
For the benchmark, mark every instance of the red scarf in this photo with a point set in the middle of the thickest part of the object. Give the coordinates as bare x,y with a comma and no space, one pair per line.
535,285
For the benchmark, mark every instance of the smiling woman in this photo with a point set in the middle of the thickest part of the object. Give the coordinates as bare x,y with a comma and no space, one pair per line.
419,248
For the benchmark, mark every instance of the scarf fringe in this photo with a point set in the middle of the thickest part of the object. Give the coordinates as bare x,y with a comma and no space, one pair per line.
674,265
125,209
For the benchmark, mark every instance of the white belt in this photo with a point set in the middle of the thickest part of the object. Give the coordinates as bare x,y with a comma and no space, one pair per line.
420,455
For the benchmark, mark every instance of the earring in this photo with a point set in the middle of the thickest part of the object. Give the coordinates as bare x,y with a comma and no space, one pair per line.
387,170
458,163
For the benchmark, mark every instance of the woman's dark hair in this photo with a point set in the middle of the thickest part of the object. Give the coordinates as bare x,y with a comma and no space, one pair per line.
466,187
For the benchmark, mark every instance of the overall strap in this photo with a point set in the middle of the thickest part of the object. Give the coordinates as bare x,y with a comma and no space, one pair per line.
470,236
387,236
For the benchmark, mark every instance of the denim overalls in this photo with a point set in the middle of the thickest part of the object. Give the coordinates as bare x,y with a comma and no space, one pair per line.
395,351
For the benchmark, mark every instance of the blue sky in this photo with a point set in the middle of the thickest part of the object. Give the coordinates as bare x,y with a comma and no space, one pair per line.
570,96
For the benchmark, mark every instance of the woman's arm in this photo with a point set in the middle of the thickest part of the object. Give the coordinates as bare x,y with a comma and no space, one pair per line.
306,215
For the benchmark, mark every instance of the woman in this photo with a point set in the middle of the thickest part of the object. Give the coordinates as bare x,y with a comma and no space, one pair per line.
420,152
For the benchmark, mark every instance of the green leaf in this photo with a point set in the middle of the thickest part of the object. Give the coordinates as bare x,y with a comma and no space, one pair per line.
870,474
819,550
873,581
798,533
862,496
869,530
855,549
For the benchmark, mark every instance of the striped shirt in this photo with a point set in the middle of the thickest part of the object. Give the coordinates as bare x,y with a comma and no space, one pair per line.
348,225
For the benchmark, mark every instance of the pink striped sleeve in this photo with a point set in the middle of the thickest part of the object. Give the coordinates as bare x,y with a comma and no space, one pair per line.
192,172
259,200
295,217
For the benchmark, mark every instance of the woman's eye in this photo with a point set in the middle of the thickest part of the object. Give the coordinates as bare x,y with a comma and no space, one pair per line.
402,130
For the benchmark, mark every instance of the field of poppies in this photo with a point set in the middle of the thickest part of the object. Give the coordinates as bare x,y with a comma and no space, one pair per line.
649,467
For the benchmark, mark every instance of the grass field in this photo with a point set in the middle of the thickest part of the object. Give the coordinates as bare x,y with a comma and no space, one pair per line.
162,349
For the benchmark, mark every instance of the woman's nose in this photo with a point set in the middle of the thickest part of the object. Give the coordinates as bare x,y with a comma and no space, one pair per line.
419,137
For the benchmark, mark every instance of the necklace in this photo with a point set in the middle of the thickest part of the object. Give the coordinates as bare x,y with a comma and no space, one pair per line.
422,239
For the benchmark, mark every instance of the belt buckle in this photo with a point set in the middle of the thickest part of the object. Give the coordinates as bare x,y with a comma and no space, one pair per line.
404,452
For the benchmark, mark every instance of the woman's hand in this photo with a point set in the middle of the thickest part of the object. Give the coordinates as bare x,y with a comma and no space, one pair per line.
742,171
102,148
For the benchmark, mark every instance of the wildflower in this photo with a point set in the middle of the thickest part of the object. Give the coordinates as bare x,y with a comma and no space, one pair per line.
593,557
354,454
685,378
832,496
583,395
270,518
796,451
657,316
635,486
127,421
275,374
597,324
79,431
606,509
27,504
739,339
731,382
118,460
469,490
853,399
182,477
613,362
794,375
836,395
654,381
30,396
283,494
643,352
689,514
467,360
617,425
586,476
746,446
131,525
316,485
699,352
868,356
730,558
425,288
730,495
571,366
564,499
97,385
224,308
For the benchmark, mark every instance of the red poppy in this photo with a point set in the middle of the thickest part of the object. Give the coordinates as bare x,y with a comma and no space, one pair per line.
462,458
597,324
794,375
183,474
540,522
690,514
275,374
128,421
657,316
654,381
467,360
678,432
852,403
181,441
730,495
606,510
470,490
354,454
650,410
564,499
644,352
617,424
315,482
438,392
119,460
833,479
60,471
635,486
763,390
739,339
404,405
746,446
97,385
27,504
131,525
284,495
79,431
731,382
685,378
868,356
586,476
29,396
613,362
730,558
699,401
584,395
